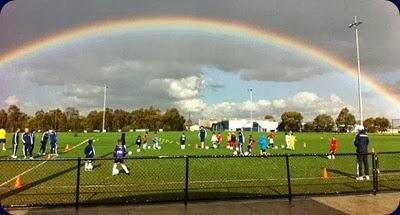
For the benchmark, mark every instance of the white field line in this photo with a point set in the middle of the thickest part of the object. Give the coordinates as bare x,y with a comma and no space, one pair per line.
35,167
193,182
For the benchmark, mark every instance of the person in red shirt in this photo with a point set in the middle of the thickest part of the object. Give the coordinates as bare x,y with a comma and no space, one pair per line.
271,138
219,139
333,147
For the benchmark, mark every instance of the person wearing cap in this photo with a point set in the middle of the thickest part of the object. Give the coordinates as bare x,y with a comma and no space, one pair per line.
361,143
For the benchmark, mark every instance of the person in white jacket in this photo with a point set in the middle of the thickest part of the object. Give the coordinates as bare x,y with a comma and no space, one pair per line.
214,140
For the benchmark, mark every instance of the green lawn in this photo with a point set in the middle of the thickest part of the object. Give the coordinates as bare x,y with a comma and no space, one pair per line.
53,181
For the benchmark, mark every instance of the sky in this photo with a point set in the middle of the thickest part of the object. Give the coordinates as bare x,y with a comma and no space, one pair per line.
205,74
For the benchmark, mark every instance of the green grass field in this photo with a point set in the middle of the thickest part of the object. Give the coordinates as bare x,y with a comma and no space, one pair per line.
47,182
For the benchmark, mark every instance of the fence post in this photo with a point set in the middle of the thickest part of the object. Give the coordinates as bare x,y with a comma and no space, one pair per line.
373,173
376,158
78,180
288,177
187,180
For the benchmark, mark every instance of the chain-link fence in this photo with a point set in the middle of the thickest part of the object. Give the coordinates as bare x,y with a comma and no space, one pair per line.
158,179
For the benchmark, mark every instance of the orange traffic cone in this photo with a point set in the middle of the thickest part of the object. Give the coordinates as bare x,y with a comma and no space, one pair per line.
66,149
325,174
48,156
18,182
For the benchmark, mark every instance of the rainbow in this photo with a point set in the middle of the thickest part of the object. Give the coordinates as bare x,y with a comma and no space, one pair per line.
202,25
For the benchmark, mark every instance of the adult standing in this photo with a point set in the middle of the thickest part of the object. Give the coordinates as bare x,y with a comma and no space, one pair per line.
361,143
15,142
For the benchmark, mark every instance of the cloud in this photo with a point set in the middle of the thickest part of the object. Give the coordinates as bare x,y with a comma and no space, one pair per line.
184,88
12,100
308,103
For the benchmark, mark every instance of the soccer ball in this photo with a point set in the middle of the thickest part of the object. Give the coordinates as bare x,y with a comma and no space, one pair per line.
214,146
276,147
207,147
159,147
115,172
235,153
227,147
329,157
138,150
246,153
237,148
282,146
148,147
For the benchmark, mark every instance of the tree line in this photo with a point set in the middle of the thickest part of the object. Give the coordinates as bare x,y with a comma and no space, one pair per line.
344,122
70,119
171,120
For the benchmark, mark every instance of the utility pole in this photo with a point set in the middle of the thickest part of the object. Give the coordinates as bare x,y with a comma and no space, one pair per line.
251,104
104,107
355,25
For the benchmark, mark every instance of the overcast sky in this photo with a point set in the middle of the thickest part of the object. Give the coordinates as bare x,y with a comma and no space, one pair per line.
207,75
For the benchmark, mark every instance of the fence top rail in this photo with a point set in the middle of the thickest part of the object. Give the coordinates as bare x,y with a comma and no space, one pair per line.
198,156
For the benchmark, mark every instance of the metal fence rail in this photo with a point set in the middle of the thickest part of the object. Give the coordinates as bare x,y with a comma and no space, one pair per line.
159,179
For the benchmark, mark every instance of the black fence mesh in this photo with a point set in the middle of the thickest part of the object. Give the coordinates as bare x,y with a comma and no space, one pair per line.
388,165
156,179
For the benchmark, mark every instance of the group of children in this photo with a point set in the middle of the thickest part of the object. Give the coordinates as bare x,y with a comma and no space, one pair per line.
28,142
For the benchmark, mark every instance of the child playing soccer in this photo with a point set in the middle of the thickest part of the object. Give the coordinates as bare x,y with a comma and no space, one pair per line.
333,146
271,139
250,146
263,145
155,141
214,140
219,139
119,158
145,139
228,140
241,142
138,142
89,154
293,141
233,141
287,140
183,140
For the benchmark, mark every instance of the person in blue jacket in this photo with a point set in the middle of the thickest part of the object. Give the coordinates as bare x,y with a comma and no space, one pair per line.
89,155
263,145
119,158
361,143
53,142
27,140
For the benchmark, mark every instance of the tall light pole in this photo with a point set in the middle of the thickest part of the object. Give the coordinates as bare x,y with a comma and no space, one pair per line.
251,104
104,107
355,25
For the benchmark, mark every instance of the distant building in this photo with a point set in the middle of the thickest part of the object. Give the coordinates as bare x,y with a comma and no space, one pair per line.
194,128
245,125
207,123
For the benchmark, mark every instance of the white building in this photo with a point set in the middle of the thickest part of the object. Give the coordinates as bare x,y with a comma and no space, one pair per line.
245,125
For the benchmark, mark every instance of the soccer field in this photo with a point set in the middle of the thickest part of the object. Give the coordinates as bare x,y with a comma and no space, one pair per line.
159,175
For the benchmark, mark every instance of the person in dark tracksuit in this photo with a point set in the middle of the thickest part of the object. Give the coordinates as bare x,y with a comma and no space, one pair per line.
53,142
202,136
241,142
43,143
27,141
89,155
15,142
361,143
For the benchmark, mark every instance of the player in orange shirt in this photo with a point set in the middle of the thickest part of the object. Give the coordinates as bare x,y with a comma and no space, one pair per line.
333,147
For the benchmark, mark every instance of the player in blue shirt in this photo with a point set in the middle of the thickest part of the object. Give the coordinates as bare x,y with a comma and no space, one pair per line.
263,145
119,158
43,143
53,142
89,154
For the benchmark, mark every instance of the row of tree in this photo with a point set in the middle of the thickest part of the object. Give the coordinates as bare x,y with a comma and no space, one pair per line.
70,119
345,121
170,120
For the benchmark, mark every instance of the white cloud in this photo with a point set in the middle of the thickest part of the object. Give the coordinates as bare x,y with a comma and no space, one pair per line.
191,105
184,88
308,103
12,100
